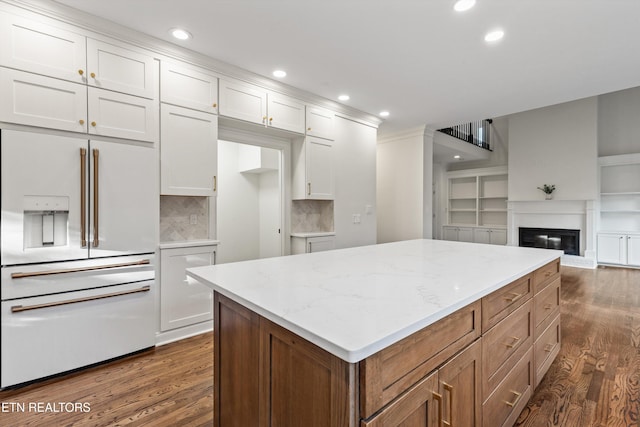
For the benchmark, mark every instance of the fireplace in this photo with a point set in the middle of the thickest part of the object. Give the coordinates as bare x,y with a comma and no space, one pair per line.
551,238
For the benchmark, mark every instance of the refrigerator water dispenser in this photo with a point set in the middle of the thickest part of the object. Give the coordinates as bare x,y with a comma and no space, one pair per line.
46,221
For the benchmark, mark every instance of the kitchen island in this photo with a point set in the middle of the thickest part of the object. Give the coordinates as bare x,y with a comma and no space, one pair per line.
414,332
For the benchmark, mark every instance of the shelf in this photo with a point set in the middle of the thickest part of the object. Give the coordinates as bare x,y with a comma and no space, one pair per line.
462,198
462,210
627,193
493,210
493,197
625,211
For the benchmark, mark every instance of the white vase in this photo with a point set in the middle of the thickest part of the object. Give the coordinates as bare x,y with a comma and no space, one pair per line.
548,196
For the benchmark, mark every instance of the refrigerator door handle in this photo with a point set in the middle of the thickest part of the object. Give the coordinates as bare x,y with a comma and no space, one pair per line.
96,237
20,275
83,197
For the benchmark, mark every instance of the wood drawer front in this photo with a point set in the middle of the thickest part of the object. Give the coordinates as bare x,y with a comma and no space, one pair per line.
545,274
503,407
417,407
546,305
546,349
501,303
388,373
505,344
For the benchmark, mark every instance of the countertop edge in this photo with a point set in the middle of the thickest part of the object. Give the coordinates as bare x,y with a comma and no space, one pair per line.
188,244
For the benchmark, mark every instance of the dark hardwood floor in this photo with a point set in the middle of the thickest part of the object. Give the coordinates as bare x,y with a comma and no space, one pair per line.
594,381
171,385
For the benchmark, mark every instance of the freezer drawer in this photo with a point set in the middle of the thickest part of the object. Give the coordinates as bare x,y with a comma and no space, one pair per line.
47,335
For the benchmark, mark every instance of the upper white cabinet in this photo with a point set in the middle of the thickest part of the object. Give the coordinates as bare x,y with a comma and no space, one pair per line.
319,122
35,100
188,152
257,105
116,68
312,169
188,87
42,49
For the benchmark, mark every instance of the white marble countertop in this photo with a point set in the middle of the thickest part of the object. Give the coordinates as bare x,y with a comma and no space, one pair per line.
354,302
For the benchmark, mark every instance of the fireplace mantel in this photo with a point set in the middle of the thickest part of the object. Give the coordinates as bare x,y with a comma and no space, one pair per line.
568,214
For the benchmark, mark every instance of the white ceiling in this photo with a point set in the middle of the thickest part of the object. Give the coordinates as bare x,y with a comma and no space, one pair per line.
421,60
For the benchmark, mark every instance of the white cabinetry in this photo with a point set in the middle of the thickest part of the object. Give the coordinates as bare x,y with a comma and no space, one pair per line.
311,242
477,201
78,84
312,169
188,87
257,105
319,122
619,227
188,152
183,300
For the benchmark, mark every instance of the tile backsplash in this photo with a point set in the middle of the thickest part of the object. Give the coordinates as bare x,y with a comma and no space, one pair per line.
176,214
311,216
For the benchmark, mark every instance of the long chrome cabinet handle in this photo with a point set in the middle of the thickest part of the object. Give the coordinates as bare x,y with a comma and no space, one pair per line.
83,197
96,237
79,269
19,308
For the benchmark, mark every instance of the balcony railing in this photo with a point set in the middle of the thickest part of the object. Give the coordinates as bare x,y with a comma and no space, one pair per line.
477,133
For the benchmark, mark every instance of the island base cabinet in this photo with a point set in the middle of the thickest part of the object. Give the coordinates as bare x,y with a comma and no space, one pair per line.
268,376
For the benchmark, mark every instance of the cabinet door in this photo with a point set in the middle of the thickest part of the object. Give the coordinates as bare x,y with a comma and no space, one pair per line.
418,407
633,250
612,248
188,152
243,101
38,48
465,234
319,122
119,69
33,100
450,233
319,244
498,236
285,113
183,300
127,220
122,116
482,235
186,87
319,169
459,385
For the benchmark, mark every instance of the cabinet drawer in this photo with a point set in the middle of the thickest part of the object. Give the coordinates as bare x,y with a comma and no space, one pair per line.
388,373
546,349
546,305
501,303
503,407
545,274
505,344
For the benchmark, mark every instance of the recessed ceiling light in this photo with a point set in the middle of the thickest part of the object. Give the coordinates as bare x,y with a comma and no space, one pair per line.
494,36
457,156
279,73
180,34
344,97
384,114
462,5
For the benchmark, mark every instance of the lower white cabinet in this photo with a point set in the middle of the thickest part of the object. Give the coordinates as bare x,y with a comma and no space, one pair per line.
616,248
183,300
308,244
493,236
458,234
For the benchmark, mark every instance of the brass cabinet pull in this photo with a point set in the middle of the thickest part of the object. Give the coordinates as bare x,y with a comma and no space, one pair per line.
515,401
19,308
96,186
515,341
94,124
81,121
548,306
549,347
83,198
270,119
215,105
514,297
448,388
309,129
80,269
308,188
438,397
93,75
215,183
81,72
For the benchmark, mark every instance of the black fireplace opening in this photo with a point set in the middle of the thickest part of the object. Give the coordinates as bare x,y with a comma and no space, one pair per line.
551,238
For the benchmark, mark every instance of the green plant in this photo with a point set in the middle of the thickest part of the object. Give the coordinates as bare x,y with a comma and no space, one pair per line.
547,189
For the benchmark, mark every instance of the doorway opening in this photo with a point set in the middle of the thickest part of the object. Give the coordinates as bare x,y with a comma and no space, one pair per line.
249,203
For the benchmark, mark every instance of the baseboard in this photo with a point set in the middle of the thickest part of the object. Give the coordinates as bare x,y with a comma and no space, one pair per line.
167,337
578,261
